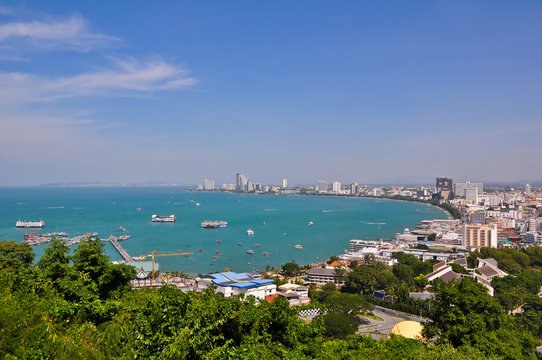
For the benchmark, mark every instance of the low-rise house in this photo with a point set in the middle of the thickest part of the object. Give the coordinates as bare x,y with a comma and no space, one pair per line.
295,294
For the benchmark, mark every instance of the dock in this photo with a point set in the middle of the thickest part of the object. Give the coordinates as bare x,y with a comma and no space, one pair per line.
120,249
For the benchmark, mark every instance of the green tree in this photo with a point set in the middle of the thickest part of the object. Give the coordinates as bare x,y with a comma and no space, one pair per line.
291,268
14,254
338,325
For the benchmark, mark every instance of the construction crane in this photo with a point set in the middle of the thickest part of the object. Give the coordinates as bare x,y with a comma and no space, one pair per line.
171,254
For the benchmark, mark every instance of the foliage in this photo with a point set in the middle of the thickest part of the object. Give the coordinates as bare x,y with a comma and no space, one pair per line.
291,268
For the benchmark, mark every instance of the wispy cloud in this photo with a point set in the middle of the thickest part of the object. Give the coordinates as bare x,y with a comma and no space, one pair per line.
73,33
125,78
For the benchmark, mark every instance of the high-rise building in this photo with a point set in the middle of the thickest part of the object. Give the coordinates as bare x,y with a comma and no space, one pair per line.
477,236
241,182
444,184
336,187
471,194
284,183
527,189
532,225
354,188
208,184
322,186
459,188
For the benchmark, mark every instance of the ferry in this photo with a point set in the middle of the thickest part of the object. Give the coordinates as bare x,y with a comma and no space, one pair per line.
299,247
167,218
250,232
30,224
212,224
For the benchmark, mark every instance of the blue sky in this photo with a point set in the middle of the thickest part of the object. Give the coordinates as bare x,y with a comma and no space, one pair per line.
308,90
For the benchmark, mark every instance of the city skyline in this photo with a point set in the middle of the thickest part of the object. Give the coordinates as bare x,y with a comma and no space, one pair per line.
370,93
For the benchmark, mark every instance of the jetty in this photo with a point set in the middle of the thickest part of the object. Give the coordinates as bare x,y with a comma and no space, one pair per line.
113,240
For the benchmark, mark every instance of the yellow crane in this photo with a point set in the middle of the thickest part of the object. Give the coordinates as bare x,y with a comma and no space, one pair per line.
170,254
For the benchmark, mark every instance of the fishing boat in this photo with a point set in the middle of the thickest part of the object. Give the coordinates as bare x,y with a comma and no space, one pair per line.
199,250
265,253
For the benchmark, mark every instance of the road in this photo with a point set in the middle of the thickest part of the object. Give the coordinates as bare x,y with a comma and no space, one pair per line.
385,326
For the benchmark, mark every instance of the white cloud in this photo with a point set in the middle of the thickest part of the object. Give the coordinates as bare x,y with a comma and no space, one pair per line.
125,78
72,33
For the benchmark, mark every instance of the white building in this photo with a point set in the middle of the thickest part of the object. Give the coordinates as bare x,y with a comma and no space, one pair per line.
354,188
336,187
322,186
377,192
471,194
527,189
532,225
231,284
459,188
477,236
284,183
208,184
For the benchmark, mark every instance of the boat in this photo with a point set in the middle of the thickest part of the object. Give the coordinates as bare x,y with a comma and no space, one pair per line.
257,245
213,224
197,204
299,247
139,209
239,243
160,218
199,250
310,223
218,242
189,245
250,252
30,224
250,232
265,253
122,228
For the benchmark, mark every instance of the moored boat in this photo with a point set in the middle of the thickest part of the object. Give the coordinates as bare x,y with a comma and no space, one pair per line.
160,218
299,247
250,232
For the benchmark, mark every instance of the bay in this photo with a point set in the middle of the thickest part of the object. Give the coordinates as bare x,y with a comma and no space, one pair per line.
278,222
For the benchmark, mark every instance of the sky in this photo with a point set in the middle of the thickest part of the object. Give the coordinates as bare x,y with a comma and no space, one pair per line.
350,91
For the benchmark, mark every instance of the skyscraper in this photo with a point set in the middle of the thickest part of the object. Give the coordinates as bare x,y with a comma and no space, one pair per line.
527,189
322,186
284,183
354,188
336,187
444,184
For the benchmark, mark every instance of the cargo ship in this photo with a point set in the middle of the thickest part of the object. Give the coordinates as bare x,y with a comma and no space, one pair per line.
168,218
30,224
214,224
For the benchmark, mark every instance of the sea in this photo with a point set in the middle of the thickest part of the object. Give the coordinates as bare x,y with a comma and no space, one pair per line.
279,223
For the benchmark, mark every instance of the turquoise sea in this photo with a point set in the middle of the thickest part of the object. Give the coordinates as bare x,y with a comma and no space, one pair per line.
279,223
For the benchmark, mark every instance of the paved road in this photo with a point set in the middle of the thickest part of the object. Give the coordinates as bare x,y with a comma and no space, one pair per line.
384,326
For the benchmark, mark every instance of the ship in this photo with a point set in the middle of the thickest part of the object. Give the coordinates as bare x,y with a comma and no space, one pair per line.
213,224
30,224
167,218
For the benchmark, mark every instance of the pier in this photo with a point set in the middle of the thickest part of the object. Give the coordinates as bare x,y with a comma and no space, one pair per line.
120,249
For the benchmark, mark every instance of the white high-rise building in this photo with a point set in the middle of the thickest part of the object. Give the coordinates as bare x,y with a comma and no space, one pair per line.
322,186
354,188
532,225
208,184
527,189
377,192
471,194
478,236
284,183
336,187
459,188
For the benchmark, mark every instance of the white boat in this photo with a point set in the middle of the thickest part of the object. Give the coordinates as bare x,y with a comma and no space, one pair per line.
310,223
299,247
122,228
250,232
30,224
250,252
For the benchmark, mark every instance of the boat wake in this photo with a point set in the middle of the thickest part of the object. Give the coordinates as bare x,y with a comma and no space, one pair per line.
53,207
326,211
271,209
376,223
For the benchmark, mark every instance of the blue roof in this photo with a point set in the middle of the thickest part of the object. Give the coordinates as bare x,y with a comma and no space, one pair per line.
232,279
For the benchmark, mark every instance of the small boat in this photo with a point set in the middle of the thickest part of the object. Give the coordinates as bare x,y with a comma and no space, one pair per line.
121,228
239,243
310,223
250,252
218,252
265,253
218,242
284,234
299,247
197,204
257,245
139,209
250,232
188,245
199,250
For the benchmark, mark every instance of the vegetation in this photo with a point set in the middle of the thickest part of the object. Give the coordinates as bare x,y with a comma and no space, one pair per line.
81,306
